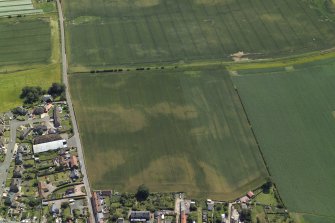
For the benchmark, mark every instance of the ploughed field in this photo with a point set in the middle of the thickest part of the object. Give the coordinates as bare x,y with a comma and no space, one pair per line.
24,41
173,131
104,33
293,116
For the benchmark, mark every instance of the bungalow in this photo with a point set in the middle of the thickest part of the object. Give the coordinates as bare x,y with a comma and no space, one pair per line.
210,204
18,159
70,191
15,185
139,216
183,217
244,199
73,162
47,107
74,174
17,172
47,98
54,210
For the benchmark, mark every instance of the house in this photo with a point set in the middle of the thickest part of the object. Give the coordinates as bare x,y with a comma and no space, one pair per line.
17,172
73,162
139,216
210,204
250,194
74,174
70,191
18,159
120,220
47,98
244,199
183,217
54,210
15,185
97,208
42,188
96,202
52,131
47,107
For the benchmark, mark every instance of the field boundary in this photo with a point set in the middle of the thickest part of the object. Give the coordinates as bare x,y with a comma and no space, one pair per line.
230,66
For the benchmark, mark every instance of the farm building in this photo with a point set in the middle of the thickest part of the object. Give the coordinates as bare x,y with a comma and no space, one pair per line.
43,147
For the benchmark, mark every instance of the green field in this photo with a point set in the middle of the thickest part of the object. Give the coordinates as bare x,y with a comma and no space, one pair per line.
122,32
173,131
12,83
24,41
29,56
293,115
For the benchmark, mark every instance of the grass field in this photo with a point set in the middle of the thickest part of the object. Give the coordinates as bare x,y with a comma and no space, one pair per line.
24,41
12,83
173,131
29,56
293,115
153,31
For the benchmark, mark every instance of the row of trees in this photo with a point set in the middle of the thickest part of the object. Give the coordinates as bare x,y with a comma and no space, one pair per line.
32,94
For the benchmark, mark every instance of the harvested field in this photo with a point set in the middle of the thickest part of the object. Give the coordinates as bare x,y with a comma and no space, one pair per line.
124,32
292,115
173,131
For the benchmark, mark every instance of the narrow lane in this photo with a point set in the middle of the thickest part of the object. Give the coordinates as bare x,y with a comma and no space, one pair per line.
72,114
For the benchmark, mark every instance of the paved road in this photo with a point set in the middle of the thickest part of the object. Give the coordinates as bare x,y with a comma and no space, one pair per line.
72,114
10,148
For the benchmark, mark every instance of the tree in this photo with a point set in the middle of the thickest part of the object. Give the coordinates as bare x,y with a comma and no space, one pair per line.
19,111
13,188
56,89
267,186
245,215
7,202
142,193
31,95
33,202
65,205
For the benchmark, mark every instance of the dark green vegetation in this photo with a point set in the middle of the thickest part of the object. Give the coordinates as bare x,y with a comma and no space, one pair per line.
172,131
122,32
24,41
293,115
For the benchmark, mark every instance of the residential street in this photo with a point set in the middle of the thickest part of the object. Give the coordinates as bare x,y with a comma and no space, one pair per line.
10,149
72,114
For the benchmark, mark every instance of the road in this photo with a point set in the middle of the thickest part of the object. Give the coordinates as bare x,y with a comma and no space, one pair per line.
10,148
72,114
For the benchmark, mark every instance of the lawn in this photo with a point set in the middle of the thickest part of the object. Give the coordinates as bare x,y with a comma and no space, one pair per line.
293,116
172,130
124,32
